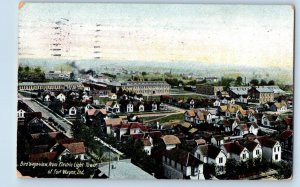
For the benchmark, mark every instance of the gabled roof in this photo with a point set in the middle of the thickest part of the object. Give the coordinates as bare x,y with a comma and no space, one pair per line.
234,147
170,139
183,157
250,145
209,151
266,141
74,147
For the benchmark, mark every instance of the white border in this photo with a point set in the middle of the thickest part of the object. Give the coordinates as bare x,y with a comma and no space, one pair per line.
8,95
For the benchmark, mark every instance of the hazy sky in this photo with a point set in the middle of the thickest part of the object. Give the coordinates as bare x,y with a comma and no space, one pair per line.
215,34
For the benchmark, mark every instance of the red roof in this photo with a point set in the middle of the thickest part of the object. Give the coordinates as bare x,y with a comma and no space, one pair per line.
286,134
75,148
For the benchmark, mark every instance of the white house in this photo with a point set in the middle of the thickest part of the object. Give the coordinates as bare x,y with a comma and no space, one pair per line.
141,108
217,103
236,151
224,101
129,107
253,128
154,106
269,120
72,111
217,140
189,116
170,141
271,149
255,149
192,104
147,145
202,116
61,97
180,164
112,106
212,155
21,113
47,98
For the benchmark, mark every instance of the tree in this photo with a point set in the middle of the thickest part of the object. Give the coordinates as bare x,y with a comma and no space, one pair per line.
254,82
239,81
144,73
271,82
263,82
232,168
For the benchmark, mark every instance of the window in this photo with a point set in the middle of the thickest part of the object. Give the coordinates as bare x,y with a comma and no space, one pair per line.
221,160
257,152
276,157
244,156
278,149
221,168
274,149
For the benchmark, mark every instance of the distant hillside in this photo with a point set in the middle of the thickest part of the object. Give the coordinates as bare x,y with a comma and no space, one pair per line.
282,75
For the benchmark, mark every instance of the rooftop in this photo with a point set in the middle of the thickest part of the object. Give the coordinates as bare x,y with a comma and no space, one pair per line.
124,169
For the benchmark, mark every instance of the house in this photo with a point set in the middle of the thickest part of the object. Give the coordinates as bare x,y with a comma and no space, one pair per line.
271,149
212,155
192,104
112,106
180,164
47,98
154,106
253,128
217,140
228,110
202,117
225,101
72,147
72,111
111,124
129,107
21,113
61,97
270,120
239,128
254,148
141,107
189,115
217,103
236,151
286,140
148,145
170,141
279,107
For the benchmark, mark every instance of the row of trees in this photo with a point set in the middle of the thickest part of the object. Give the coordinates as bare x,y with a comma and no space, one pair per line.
28,74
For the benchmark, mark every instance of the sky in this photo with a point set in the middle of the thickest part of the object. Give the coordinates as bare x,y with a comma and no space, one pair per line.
256,35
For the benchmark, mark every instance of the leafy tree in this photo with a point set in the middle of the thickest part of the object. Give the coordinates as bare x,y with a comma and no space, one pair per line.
144,73
239,81
271,82
263,82
231,168
254,82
